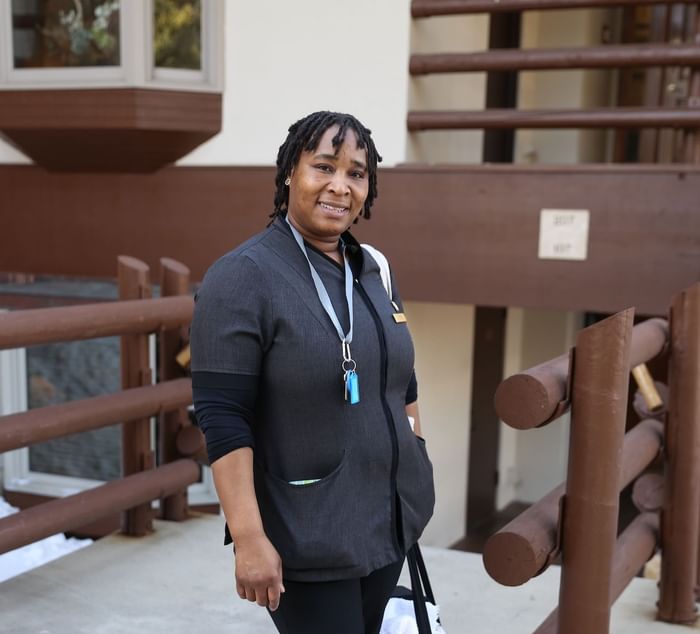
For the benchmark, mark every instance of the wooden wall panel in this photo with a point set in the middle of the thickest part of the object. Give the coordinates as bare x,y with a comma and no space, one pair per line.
453,234
108,130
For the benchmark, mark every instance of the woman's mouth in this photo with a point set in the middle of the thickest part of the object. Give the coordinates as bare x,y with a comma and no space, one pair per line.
337,210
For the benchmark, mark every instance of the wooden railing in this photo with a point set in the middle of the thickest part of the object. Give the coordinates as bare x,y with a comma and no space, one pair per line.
133,318
429,8
649,56
578,520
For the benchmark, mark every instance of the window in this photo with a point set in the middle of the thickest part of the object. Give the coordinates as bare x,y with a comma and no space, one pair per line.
111,43
177,34
65,34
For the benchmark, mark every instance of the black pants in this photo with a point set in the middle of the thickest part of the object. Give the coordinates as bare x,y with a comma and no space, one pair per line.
352,606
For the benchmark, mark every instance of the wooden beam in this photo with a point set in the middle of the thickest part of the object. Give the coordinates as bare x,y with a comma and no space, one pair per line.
465,234
429,8
419,120
613,56
110,129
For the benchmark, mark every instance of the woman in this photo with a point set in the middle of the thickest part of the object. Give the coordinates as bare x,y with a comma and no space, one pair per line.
303,384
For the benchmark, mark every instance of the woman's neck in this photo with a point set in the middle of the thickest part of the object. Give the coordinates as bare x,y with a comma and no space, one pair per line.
328,246
330,249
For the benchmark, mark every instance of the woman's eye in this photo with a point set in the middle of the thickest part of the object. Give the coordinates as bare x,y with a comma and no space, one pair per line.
358,175
324,168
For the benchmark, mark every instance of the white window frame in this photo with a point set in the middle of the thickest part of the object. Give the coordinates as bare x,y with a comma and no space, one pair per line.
16,473
136,67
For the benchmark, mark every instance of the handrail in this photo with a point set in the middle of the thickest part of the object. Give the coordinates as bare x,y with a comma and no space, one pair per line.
527,545
19,329
508,118
610,56
429,8
133,317
69,513
680,523
53,421
537,396
634,547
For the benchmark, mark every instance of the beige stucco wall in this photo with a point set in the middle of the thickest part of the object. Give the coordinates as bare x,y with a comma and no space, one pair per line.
533,462
286,59
449,34
563,89
442,335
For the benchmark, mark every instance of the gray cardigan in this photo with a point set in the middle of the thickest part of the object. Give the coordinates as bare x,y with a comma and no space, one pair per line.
258,313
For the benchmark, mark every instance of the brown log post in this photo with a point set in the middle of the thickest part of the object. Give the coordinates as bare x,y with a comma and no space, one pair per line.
507,118
191,443
137,455
527,545
634,548
607,56
23,328
692,155
589,530
648,492
174,280
537,396
54,421
73,511
680,522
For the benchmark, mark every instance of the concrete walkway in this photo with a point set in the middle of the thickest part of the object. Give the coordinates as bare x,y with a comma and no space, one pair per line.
180,581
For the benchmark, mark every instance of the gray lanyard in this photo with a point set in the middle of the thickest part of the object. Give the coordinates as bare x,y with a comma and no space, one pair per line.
348,365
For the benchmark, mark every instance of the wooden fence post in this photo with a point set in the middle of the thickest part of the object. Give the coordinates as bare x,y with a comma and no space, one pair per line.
680,523
137,454
598,412
174,280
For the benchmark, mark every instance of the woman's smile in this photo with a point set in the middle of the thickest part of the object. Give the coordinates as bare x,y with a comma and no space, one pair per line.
334,208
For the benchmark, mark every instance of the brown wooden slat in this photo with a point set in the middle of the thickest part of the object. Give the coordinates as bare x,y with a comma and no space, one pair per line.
418,120
556,58
91,321
54,421
465,234
428,8
65,514
110,109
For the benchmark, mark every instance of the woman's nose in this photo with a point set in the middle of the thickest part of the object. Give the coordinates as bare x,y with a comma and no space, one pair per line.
338,183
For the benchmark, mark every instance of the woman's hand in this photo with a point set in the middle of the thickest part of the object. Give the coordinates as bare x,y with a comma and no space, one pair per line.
258,571
258,565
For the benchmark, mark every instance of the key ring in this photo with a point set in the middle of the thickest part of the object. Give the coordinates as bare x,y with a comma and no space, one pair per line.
347,367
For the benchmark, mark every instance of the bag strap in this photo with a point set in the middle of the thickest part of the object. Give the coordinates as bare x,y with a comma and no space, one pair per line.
424,575
419,579
384,270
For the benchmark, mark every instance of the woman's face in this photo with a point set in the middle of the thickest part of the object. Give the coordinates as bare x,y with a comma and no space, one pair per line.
328,188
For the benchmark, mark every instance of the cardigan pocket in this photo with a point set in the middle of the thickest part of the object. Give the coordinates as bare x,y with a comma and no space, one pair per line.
416,490
313,525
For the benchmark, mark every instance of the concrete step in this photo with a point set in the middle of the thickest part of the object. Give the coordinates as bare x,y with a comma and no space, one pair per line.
180,581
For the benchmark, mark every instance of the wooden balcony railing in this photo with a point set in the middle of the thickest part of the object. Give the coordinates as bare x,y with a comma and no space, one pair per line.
133,320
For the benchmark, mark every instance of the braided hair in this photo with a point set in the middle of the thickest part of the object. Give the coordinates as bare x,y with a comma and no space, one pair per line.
305,135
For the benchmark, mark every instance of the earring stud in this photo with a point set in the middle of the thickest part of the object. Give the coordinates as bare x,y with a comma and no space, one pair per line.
288,182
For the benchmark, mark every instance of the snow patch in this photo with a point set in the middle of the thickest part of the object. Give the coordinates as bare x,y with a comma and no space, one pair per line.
33,555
